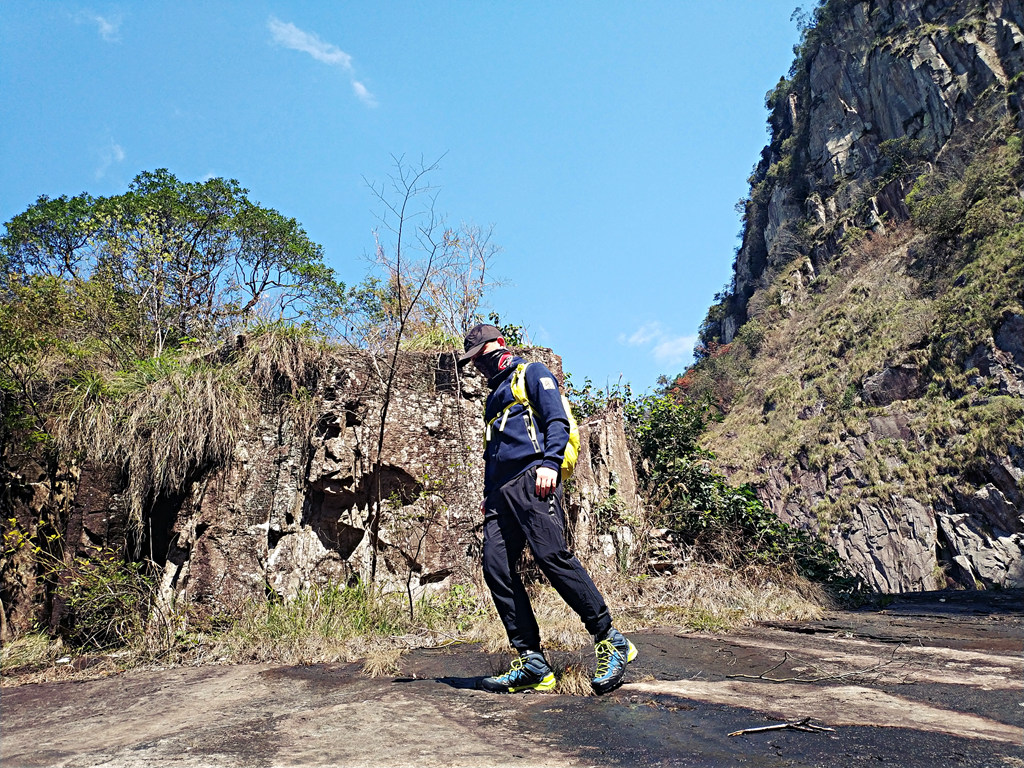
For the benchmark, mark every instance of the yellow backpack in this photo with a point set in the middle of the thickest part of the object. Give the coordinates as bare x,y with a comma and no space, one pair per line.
572,448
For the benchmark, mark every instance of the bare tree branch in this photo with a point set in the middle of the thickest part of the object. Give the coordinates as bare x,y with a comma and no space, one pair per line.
842,676
797,725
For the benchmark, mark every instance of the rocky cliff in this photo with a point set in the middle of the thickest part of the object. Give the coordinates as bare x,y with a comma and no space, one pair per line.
869,354
302,502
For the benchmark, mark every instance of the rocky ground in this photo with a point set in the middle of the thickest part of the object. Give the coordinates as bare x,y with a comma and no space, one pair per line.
926,680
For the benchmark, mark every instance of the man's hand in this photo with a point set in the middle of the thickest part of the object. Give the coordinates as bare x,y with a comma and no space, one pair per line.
547,479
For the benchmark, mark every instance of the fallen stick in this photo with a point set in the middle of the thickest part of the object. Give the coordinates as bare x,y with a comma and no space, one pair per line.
797,725
823,678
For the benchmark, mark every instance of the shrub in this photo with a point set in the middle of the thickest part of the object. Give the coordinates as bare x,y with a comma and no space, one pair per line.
716,521
590,399
971,202
107,599
104,600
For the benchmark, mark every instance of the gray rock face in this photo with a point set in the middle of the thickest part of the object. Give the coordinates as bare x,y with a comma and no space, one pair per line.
890,71
297,510
972,537
1010,338
884,90
304,503
892,547
989,555
898,382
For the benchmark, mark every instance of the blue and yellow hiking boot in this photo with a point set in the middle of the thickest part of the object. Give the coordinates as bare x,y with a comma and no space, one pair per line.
530,671
613,653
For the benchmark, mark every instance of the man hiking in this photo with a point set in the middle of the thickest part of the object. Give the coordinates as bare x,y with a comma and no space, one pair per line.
524,448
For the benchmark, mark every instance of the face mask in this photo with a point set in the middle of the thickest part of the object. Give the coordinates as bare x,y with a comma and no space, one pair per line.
494,363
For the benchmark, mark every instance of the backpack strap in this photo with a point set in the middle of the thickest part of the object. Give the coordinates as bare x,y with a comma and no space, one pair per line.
518,385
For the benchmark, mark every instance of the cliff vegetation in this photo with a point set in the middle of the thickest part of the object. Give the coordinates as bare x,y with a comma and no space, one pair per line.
868,356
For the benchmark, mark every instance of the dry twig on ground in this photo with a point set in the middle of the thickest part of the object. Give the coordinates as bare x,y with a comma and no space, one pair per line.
796,725
842,676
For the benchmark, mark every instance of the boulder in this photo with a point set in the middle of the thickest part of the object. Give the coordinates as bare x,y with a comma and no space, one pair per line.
898,382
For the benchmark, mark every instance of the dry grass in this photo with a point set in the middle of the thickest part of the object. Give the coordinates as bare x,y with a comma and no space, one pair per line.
166,417
283,360
560,628
574,676
159,422
708,597
801,397
384,661
800,390
355,625
875,246
700,597
33,649
37,658
898,296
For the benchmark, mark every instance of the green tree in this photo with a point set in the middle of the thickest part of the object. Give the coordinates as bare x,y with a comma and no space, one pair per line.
50,238
180,260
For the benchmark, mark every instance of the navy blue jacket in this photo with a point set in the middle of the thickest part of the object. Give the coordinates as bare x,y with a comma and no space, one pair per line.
512,451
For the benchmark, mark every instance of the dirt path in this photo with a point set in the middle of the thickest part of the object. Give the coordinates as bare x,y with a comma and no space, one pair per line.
921,682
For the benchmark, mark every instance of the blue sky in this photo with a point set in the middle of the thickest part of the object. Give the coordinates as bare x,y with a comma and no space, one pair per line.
606,142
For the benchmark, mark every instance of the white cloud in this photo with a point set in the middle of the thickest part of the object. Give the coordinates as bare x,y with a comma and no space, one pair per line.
674,350
109,156
288,35
644,334
667,348
364,95
108,27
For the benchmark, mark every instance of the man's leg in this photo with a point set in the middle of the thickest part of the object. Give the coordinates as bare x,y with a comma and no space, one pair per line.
543,523
503,546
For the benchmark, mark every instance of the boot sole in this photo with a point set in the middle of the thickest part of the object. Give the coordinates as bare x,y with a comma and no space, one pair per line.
547,684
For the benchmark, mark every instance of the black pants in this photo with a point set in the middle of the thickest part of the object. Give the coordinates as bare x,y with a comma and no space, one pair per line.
514,517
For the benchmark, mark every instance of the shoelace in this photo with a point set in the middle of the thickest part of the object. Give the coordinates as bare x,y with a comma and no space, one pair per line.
604,651
517,666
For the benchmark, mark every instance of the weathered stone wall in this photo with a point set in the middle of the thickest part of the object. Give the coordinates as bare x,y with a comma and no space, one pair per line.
297,505
296,509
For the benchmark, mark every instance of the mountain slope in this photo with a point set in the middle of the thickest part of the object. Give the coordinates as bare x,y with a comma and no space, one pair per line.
869,354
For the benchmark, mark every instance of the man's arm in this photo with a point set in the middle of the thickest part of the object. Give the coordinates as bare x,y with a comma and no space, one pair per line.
542,389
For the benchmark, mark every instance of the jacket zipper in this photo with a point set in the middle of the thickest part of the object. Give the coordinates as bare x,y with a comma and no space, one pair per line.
531,430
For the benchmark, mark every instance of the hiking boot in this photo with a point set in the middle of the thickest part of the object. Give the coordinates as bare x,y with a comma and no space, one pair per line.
529,671
613,653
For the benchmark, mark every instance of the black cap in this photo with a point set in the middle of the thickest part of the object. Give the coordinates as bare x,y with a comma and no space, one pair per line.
476,339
